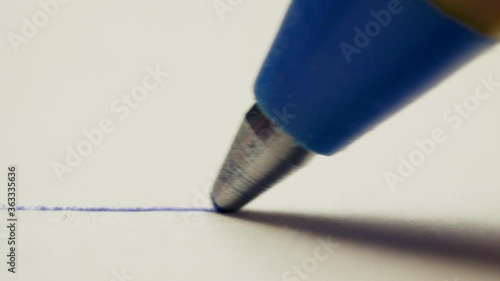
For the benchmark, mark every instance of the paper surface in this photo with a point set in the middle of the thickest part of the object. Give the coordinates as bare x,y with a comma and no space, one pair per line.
166,84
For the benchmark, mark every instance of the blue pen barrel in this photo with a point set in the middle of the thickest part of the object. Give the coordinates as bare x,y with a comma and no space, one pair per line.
337,68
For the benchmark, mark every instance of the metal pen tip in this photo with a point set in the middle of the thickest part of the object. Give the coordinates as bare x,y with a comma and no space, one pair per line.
260,156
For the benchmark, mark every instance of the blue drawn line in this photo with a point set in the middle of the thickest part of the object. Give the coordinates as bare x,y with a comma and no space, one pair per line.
107,209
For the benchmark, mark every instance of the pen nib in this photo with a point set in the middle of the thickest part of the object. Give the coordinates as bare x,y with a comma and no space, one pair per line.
260,156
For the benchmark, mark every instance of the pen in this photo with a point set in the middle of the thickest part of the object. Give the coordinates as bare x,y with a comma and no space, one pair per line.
338,68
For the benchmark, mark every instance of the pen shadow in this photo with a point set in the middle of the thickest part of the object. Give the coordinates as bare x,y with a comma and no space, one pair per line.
458,241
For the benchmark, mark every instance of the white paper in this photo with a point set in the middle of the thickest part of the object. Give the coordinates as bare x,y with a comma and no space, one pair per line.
338,219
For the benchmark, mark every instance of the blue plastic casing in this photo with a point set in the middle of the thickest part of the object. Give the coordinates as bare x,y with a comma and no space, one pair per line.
338,67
